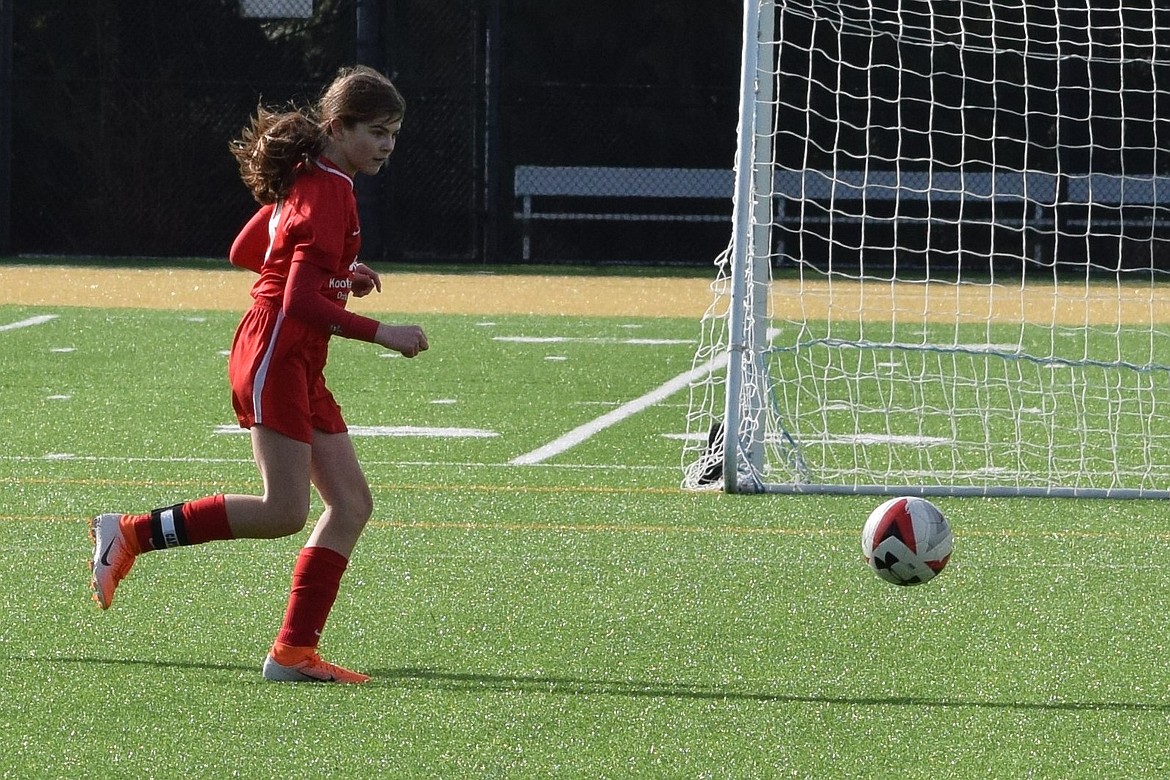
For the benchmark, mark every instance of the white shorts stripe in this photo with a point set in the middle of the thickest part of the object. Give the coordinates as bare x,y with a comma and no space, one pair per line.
262,372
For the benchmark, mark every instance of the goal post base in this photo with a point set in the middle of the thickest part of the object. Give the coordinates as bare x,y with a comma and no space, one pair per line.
956,491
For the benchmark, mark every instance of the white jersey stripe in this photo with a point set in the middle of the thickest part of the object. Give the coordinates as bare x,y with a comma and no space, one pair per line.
334,171
273,221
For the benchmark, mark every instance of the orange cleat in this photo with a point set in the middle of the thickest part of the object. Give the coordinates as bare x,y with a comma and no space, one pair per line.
112,557
303,664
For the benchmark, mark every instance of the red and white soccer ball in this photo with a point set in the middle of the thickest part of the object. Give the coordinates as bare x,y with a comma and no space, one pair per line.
906,541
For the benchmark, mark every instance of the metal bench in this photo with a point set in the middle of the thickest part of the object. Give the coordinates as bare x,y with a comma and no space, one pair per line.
1117,191
1040,194
596,182
1018,198
1038,189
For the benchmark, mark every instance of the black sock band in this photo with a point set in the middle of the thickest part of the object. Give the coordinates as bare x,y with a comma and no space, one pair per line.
168,527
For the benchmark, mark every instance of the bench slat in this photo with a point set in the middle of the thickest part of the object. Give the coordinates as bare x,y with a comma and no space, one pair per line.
622,216
596,182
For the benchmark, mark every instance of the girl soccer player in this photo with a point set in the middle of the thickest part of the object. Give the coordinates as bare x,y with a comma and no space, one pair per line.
303,243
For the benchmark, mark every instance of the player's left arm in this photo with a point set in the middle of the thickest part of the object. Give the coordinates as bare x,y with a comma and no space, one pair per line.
251,244
303,301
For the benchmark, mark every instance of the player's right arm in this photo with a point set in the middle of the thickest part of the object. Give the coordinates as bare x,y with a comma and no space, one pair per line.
303,301
409,340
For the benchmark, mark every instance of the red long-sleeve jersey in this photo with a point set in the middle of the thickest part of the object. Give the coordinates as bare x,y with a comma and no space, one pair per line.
305,248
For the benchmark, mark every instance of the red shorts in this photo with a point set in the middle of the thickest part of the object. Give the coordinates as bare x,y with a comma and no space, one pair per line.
277,376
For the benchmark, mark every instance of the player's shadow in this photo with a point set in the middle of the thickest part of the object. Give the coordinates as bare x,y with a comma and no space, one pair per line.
421,678
465,682
50,661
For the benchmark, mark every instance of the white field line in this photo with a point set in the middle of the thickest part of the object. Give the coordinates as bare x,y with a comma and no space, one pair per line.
395,430
629,409
591,340
40,319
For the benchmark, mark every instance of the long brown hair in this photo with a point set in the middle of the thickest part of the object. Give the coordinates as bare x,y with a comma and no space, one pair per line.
274,146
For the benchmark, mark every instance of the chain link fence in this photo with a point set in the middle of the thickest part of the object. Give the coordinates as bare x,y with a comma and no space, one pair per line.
122,111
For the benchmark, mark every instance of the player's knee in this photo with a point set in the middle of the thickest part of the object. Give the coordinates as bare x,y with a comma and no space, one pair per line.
356,508
365,507
362,508
287,525
286,516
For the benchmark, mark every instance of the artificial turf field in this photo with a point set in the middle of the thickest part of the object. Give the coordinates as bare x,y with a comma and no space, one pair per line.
577,617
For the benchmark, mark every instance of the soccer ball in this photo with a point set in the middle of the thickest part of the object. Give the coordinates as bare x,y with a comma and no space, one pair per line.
906,541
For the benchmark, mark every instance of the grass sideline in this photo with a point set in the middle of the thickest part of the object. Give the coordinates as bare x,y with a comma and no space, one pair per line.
580,617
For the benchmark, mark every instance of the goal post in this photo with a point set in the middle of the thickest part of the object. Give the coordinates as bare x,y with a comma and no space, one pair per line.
949,270
751,220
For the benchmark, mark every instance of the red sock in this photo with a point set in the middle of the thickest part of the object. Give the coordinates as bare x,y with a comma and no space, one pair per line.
207,520
194,522
315,582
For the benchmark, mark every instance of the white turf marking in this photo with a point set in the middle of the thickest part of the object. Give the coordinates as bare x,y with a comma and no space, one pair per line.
581,340
886,438
696,436
40,319
991,349
1011,349
859,438
583,432
396,430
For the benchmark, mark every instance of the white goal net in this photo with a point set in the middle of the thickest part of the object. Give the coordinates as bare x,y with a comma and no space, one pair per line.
950,265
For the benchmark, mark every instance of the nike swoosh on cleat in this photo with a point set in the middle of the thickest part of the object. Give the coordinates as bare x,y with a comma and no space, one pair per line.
106,553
